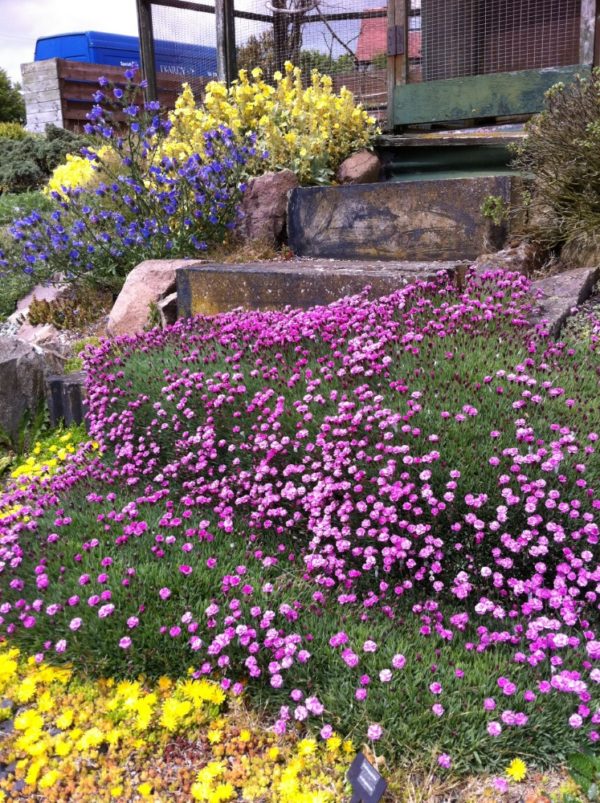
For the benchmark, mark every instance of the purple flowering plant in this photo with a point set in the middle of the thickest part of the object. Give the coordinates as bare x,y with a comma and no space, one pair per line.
143,205
379,516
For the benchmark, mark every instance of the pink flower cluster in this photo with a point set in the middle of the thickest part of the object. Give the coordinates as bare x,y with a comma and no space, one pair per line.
320,441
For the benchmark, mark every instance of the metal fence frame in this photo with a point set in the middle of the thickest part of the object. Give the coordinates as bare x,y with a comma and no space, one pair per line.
225,17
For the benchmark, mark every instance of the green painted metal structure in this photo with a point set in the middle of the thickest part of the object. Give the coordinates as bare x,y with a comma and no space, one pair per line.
479,96
484,60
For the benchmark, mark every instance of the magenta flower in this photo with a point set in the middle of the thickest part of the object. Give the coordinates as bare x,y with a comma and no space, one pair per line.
185,570
350,658
398,661
374,732
164,593
125,643
445,761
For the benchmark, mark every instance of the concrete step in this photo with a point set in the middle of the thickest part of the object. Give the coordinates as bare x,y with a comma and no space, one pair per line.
213,287
437,219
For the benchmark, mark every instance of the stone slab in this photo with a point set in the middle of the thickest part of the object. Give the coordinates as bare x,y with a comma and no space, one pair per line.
412,220
560,295
211,288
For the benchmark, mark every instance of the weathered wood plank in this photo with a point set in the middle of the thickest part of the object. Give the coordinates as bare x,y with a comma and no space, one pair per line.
480,96
211,288
412,220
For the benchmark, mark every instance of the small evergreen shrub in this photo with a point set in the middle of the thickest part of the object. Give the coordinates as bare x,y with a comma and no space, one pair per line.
27,162
12,131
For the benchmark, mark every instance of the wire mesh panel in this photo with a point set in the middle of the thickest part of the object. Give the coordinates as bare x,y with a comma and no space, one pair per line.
184,45
346,39
478,37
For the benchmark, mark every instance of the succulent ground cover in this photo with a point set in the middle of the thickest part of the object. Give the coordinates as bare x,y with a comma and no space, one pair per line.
377,518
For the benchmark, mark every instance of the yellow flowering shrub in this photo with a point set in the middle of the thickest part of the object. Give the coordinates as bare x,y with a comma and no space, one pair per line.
92,741
76,171
308,129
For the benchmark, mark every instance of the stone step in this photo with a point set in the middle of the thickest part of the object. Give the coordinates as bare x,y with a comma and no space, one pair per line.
434,219
210,288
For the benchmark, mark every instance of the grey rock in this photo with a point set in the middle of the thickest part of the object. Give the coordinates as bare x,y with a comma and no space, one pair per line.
24,368
167,308
559,296
22,380
7,769
522,258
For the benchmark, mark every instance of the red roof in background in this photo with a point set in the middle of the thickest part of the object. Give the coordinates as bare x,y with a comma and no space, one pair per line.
372,39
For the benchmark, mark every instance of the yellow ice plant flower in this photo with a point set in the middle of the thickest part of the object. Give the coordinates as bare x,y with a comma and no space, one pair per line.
8,668
29,720
215,736
48,779
173,713
26,690
62,748
45,702
93,737
145,790
65,720
224,791
33,772
145,711
306,747
517,769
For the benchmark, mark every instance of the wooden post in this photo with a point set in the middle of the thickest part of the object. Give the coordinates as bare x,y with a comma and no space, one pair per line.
225,22
146,36
397,63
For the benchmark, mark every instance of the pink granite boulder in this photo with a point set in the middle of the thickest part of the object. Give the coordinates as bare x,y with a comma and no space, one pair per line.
147,284
363,167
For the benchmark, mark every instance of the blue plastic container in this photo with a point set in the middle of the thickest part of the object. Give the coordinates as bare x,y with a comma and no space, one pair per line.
117,50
